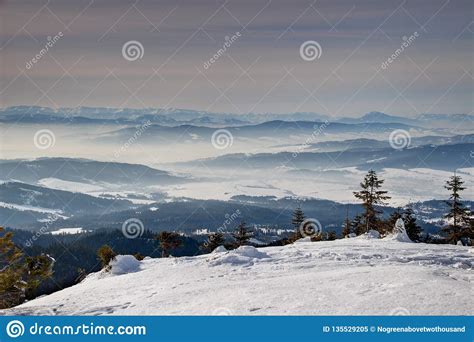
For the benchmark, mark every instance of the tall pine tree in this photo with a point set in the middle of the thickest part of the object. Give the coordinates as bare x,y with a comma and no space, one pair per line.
242,234
357,226
214,240
168,242
371,196
20,275
412,228
296,220
347,226
460,224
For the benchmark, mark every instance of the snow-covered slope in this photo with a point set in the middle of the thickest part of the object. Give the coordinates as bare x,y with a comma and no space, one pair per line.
342,277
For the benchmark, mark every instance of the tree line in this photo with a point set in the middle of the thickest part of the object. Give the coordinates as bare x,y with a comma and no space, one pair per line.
459,227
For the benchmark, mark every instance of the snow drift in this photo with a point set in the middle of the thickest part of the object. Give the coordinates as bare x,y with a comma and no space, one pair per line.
123,264
399,232
244,255
220,249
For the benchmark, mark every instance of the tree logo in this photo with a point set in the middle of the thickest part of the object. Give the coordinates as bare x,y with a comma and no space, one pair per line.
15,329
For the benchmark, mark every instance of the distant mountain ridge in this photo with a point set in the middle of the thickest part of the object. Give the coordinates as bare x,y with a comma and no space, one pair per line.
442,157
174,116
372,144
170,116
69,203
84,171
270,129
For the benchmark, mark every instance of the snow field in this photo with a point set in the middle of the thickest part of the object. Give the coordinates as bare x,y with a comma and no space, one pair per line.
357,276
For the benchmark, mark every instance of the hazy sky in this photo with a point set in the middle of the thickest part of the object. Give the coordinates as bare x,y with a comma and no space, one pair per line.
261,71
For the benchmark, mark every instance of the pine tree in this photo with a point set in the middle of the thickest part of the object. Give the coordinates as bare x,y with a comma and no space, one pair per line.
139,256
412,228
19,275
214,240
106,254
331,236
168,242
461,224
317,237
357,227
11,288
298,218
81,275
371,196
242,234
347,226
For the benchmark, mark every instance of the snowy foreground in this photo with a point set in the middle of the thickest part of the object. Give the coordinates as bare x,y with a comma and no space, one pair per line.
352,276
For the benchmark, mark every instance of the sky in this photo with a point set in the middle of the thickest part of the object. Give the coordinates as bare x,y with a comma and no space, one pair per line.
264,67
